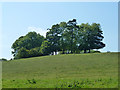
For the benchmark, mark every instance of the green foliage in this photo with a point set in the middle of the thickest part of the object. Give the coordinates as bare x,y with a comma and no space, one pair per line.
54,38
27,46
62,83
45,48
96,52
70,34
90,37
96,37
67,37
74,38
34,52
22,53
3,59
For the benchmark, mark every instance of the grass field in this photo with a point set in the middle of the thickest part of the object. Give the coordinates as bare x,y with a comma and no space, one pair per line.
96,70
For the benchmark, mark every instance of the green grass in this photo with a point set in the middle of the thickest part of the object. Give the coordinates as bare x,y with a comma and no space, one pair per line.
96,70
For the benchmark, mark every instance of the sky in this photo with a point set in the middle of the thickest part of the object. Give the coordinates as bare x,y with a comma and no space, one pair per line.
19,18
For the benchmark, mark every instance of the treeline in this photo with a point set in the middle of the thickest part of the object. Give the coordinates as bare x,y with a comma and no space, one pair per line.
65,37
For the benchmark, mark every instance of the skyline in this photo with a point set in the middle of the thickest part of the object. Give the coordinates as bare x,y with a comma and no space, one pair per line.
20,18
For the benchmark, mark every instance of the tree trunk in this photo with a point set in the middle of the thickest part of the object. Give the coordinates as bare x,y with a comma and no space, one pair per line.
55,53
84,51
89,51
63,52
68,52
52,53
73,51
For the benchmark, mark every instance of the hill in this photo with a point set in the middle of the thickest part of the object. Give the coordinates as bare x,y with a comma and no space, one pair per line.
60,71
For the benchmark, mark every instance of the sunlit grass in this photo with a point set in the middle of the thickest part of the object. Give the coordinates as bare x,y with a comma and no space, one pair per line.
63,71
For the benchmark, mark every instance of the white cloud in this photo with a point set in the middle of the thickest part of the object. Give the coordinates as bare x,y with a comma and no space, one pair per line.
38,30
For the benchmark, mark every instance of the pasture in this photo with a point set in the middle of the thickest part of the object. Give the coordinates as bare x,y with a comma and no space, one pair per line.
91,70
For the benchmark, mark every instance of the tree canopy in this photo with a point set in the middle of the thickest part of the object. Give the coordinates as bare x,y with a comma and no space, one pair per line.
25,45
65,37
73,38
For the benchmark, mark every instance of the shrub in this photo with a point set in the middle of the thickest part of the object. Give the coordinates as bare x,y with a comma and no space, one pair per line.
96,52
3,59
22,53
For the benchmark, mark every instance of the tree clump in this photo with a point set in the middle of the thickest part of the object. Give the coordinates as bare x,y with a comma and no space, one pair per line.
66,37
27,46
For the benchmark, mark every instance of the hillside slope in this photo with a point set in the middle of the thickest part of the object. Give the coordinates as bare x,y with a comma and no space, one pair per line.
57,70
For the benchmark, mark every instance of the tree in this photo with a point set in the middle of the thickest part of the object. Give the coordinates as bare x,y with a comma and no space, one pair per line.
84,33
3,59
66,37
34,52
53,36
90,37
22,53
29,41
71,34
96,37
63,45
74,38
45,48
